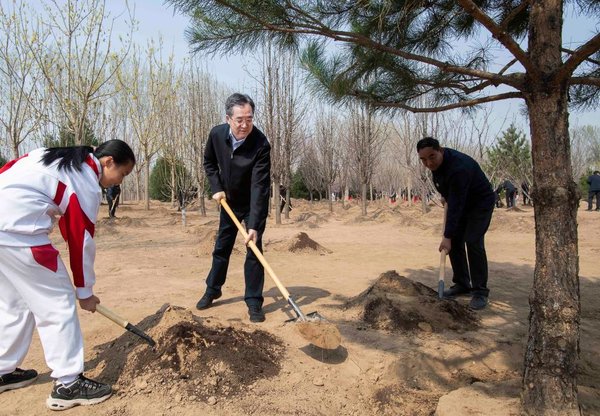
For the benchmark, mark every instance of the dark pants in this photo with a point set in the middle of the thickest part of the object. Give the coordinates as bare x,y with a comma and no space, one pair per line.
254,272
591,195
113,203
468,243
510,198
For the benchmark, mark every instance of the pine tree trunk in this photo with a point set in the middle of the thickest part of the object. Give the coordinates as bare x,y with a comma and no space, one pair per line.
550,370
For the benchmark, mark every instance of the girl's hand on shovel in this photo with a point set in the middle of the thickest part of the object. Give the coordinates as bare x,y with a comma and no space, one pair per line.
89,304
252,235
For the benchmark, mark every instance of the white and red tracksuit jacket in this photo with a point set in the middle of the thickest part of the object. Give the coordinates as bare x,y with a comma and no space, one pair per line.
32,195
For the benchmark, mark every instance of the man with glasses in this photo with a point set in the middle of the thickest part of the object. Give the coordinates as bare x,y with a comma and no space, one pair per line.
237,162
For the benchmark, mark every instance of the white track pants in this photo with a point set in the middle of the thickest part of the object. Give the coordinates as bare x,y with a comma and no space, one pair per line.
34,295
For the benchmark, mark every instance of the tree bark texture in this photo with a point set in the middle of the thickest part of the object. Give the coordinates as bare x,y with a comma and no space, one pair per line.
550,368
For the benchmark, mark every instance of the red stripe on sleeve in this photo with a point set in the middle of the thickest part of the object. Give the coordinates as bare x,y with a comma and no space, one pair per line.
11,163
60,191
73,225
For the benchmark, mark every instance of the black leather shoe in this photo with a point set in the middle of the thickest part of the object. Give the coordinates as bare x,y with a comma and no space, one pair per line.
256,314
456,290
478,302
206,301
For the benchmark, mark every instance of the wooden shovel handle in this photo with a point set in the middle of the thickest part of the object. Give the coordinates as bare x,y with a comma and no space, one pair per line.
256,251
112,316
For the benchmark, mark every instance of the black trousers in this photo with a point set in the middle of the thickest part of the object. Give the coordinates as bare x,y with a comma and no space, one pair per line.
591,195
254,272
467,255
113,203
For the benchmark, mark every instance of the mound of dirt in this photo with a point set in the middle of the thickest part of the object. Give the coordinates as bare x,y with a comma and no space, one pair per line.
208,236
394,302
311,219
299,243
122,222
513,220
191,361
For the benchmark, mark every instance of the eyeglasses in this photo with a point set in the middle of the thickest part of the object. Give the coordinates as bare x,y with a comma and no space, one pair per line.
240,121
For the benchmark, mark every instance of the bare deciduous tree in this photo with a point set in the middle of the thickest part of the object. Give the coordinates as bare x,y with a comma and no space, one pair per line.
22,100
76,57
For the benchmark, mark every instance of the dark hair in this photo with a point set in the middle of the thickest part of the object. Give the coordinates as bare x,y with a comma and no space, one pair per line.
74,156
428,142
237,99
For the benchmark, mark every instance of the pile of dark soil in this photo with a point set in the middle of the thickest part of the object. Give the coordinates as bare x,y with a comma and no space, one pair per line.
192,361
394,302
299,243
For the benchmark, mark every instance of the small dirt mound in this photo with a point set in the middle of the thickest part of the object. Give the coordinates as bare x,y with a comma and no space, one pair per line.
207,241
208,238
299,243
122,222
311,219
397,303
191,361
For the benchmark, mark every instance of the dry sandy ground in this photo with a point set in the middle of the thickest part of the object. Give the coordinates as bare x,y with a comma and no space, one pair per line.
147,259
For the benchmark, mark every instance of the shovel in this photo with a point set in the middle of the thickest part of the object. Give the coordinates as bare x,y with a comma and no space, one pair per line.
443,255
124,324
313,327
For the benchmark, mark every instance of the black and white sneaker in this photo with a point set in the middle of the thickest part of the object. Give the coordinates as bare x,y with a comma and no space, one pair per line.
82,391
17,379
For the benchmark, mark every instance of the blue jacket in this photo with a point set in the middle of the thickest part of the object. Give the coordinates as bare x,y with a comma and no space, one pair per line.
594,182
465,187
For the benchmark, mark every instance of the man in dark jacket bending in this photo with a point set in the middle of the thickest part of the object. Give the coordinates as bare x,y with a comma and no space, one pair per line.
237,162
470,198
594,191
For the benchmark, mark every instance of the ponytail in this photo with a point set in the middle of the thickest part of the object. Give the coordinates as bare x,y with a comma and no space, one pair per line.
73,157
69,157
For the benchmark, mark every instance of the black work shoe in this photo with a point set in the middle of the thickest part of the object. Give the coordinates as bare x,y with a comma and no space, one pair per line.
478,302
456,290
256,314
82,391
17,379
206,301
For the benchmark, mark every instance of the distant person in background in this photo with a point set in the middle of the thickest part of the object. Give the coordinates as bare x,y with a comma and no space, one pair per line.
497,193
510,193
525,192
112,197
282,198
470,198
594,182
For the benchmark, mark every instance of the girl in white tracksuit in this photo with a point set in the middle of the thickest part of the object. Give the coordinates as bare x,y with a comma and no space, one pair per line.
35,289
